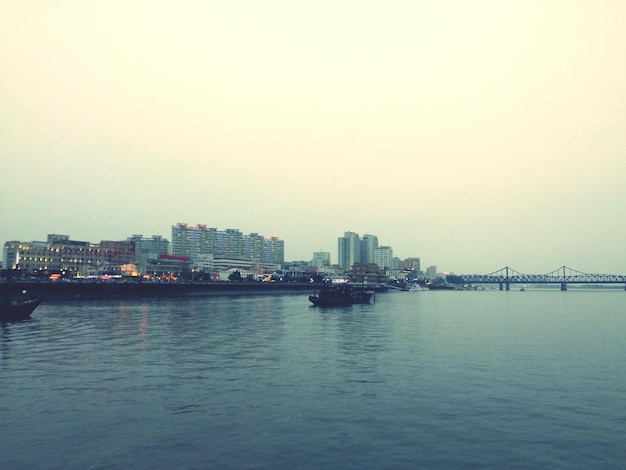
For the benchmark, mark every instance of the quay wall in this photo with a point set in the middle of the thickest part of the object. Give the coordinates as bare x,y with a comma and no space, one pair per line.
106,290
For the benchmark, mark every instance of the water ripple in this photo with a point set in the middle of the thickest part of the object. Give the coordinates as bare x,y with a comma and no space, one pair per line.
430,380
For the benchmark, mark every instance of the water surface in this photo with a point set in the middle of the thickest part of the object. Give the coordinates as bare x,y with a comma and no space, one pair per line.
417,380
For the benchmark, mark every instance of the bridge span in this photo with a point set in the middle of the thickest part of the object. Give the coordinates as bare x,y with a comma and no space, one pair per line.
563,276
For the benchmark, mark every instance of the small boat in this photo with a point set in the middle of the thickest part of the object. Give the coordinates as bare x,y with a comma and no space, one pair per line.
14,310
340,296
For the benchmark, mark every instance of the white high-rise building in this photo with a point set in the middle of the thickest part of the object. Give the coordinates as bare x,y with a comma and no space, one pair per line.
193,241
200,240
349,250
384,257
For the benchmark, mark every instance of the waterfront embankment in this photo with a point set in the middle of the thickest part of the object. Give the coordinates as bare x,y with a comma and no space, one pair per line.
60,290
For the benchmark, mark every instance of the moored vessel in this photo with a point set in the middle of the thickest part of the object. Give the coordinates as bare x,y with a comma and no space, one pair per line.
15,310
340,296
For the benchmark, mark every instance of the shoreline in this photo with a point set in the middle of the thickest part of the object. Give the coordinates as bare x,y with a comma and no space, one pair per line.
114,290
59,290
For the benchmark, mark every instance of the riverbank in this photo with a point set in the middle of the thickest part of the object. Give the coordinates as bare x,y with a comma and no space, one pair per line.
103,290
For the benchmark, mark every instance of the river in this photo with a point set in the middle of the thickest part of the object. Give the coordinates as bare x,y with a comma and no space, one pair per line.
438,380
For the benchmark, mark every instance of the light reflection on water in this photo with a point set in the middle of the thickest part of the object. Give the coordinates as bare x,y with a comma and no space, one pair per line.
424,379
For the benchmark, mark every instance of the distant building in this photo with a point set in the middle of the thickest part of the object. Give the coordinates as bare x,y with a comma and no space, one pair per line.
354,249
61,254
393,271
254,246
192,241
274,252
321,259
204,263
148,248
168,267
245,267
431,272
116,254
369,244
410,264
229,244
367,273
383,257
226,247
349,250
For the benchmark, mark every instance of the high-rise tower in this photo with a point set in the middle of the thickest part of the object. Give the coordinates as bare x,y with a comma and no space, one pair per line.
349,250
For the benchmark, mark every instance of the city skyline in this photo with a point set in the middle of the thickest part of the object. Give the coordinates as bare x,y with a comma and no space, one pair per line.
474,136
363,247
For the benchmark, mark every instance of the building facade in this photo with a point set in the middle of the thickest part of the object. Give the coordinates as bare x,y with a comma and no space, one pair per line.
274,251
321,259
60,254
354,249
191,241
369,243
196,242
411,264
367,273
431,272
383,257
147,249
349,250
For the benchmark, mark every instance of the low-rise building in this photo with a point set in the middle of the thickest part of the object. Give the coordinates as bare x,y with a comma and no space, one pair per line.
60,254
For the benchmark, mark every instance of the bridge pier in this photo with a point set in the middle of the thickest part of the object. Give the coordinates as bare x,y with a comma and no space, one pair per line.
501,287
563,286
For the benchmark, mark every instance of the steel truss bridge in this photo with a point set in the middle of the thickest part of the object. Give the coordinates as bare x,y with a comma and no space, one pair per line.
563,276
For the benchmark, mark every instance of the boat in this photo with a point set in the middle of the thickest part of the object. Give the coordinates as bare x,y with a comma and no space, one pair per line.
362,296
441,285
397,285
14,310
340,296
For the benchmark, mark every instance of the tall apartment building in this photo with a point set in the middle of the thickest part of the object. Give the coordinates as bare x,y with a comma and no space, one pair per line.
354,249
195,242
349,250
254,247
229,244
384,257
369,243
274,251
192,241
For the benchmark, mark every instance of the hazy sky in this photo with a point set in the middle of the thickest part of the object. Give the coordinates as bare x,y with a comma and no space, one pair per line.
471,134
